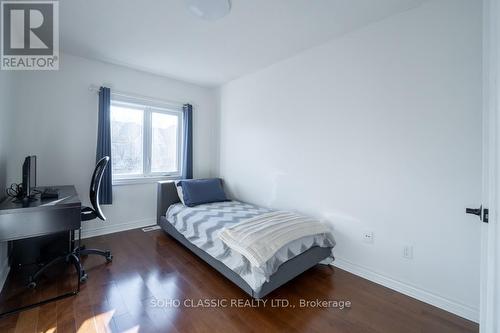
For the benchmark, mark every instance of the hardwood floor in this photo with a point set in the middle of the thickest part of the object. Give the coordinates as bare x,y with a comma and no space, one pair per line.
150,268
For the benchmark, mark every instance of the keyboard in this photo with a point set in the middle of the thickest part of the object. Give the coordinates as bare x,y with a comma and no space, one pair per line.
49,193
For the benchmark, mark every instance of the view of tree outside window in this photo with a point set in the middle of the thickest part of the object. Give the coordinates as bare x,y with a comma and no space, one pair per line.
127,140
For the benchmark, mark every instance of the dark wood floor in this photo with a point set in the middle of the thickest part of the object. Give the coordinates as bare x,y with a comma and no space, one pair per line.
152,267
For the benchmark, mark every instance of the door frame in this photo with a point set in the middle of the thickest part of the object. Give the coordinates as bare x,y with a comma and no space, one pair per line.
490,232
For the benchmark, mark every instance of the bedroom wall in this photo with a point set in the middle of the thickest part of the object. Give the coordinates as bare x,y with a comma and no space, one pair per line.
377,131
6,112
58,117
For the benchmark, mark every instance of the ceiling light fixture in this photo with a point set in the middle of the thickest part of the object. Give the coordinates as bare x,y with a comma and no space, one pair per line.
209,9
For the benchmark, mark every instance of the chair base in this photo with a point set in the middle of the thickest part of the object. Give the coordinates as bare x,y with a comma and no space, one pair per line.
75,257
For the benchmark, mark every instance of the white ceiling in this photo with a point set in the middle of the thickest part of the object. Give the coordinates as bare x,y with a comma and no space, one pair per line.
162,37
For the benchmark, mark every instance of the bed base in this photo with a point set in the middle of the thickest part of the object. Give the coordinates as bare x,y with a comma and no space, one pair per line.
167,195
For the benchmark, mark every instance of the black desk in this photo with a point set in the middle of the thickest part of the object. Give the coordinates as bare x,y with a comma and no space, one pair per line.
20,220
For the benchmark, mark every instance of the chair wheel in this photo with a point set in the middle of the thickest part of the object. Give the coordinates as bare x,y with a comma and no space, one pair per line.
32,285
109,258
84,277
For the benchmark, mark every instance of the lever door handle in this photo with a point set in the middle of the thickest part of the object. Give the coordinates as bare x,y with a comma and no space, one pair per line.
482,213
474,211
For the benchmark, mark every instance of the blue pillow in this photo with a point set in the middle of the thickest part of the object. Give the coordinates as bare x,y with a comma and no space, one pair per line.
200,191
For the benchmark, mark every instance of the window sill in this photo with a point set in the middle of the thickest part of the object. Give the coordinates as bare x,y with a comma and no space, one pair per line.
142,180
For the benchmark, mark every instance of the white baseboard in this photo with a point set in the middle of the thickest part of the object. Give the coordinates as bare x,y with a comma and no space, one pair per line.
4,272
452,306
109,228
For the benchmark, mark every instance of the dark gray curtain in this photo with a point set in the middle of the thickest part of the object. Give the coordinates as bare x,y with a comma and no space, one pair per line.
187,154
104,145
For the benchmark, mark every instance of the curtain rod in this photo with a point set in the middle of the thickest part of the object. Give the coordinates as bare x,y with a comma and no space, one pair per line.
94,88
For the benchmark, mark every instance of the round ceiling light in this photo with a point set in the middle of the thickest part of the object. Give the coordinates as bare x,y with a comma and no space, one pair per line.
209,9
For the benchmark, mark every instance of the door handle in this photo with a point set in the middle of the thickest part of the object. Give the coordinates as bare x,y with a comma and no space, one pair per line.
474,211
482,213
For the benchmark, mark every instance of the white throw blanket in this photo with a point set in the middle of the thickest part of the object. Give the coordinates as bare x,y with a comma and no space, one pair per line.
259,238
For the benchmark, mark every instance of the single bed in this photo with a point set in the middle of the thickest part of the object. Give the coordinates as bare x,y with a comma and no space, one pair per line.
197,227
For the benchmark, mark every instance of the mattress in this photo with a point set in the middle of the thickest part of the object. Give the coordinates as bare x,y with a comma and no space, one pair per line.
201,225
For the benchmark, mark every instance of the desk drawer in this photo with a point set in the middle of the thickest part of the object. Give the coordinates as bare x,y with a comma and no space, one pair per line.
39,222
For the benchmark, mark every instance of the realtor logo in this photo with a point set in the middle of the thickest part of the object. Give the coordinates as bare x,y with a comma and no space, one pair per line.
30,35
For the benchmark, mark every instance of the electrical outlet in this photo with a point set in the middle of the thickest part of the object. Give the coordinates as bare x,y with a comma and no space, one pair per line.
408,252
368,237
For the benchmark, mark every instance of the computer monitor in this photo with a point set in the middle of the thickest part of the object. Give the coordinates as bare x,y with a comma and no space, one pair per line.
29,176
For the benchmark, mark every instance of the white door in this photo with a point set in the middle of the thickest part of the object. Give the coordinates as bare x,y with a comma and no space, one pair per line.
490,240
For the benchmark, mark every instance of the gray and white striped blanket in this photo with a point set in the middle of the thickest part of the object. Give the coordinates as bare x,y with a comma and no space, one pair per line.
202,224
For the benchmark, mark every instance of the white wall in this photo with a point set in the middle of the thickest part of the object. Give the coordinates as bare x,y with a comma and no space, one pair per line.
6,112
379,130
56,119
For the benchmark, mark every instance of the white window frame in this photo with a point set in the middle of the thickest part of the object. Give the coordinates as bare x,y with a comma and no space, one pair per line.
148,108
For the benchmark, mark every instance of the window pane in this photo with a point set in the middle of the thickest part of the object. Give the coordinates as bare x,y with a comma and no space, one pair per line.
127,140
165,136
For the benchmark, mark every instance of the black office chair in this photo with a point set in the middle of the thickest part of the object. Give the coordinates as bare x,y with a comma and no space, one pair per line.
87,214
91,213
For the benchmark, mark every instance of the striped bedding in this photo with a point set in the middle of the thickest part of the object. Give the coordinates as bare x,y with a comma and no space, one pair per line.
202,224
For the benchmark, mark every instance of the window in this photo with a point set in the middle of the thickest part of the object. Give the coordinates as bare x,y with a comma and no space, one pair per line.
145,142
